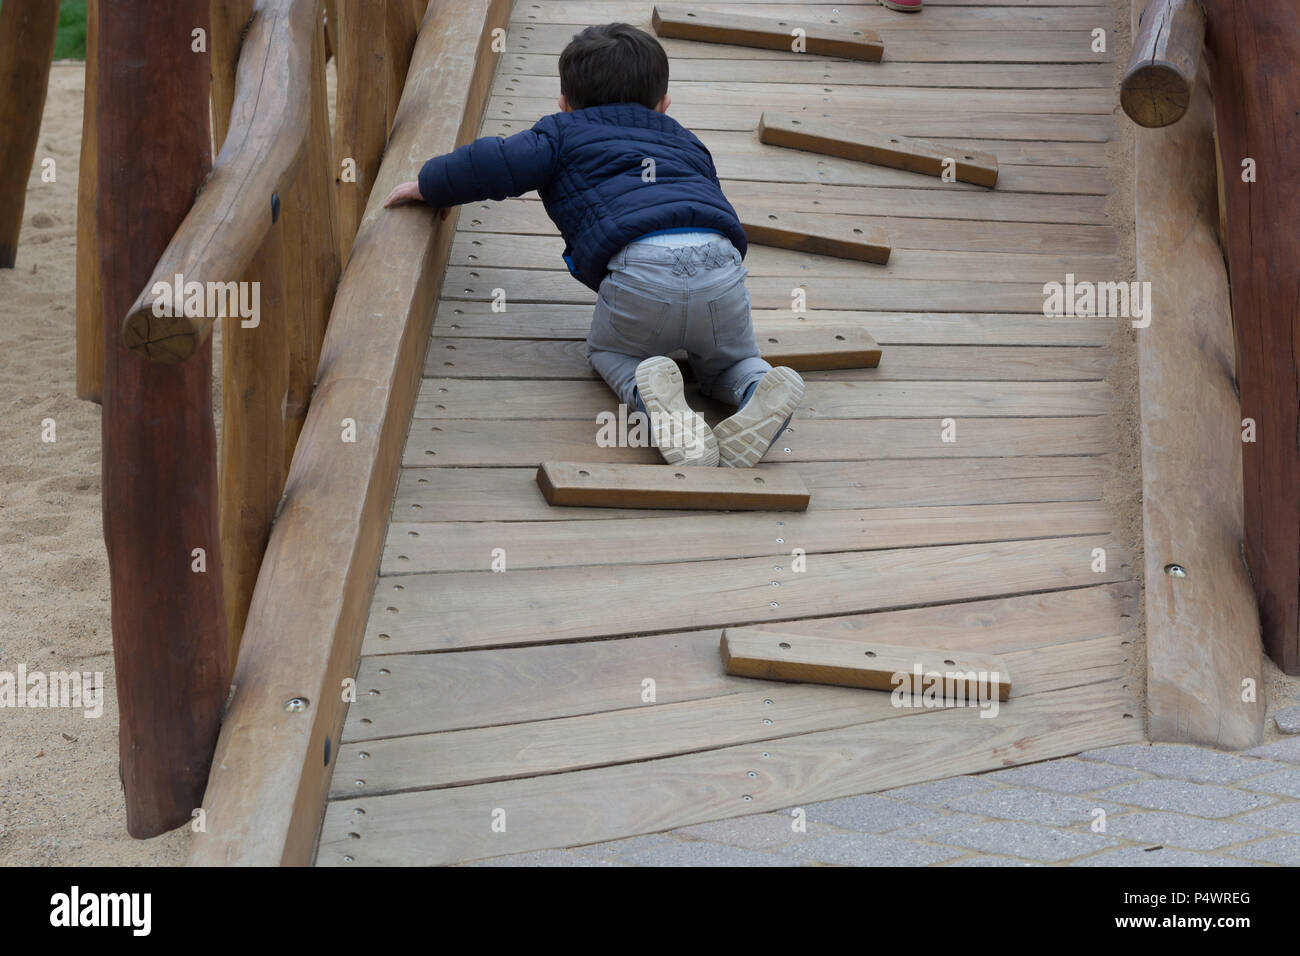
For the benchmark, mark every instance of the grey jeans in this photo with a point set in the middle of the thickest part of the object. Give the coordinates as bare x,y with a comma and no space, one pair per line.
657,299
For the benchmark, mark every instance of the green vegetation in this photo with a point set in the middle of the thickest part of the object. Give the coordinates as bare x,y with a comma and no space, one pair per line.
70,41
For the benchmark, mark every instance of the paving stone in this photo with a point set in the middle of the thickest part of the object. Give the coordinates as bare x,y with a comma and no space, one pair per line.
703,853
1288,749
1032,806
1285,782
1288,721
939,829
1197,799
867,814
1136,856
1067,775
544,858
1030,841
870,849
758,831
616,849
1178,830
1284,850
1183,762
1283,816
985,860
937,792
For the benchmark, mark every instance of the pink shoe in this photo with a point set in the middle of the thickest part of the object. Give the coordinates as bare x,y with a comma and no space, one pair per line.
903,6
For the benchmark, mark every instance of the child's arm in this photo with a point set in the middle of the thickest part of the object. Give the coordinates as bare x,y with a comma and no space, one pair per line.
488,168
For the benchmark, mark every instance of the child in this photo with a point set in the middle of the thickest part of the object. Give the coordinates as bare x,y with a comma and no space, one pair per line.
637,199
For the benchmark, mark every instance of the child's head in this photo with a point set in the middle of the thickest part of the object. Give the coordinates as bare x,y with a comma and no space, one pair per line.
613,63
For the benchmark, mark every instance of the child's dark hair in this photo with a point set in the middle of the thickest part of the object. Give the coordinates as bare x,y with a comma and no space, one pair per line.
613,63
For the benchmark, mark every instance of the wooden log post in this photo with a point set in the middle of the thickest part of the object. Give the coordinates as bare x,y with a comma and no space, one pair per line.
160,496
361,112
1166,53
233,212
26,46
312,274
90,306
1254,52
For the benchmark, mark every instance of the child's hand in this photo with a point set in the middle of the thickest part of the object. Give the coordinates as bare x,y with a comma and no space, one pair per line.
408,192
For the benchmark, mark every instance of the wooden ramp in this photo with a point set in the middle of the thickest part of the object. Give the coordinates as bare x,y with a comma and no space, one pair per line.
578,695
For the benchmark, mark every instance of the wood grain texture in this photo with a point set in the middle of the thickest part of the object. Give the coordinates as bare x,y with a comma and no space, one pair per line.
818,235
586,806
265,796
456,610
666,486
769,33
803,658
504,686
1202,630
1256,77
90,303
250,178
883,149
159,443
26,45
1161,75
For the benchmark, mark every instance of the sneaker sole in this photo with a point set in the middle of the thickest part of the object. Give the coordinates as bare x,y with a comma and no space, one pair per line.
744,438
659,381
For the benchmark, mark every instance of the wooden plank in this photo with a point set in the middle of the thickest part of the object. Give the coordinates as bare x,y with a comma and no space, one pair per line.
309,609
882,149
774,655
917,44
665,486
546,359
480,609
840,73
830,292
462,442
1254,53
416,547
511,494
512,685
502,250
159,442
991,17
361,112
553,810
944,123
1158,85
771,712
584,401
26,46
778,94
912,228
796,34
90,303
1202,631
558,321
818,235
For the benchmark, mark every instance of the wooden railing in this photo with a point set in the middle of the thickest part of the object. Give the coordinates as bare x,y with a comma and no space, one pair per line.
1252,51
257,245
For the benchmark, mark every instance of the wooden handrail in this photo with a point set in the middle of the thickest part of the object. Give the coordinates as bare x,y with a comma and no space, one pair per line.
236,207
1158,85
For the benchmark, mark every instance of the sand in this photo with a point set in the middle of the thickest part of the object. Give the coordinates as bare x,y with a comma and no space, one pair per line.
60,798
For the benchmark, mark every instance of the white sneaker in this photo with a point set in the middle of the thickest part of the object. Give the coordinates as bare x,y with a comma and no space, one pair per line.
681,434
744,438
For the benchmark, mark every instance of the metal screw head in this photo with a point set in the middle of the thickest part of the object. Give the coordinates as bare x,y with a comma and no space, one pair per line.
767,721
347,859
765,754
363,755
296,705
774,604
752,774
1175,570
747,798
